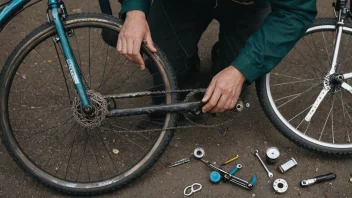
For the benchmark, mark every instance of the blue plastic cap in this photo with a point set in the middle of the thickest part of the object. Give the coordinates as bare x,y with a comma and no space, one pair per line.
215,177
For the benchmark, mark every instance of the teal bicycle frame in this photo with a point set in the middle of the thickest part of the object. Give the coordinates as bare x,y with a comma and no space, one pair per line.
14,6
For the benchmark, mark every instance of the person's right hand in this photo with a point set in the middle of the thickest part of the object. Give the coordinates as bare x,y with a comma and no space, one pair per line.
135,30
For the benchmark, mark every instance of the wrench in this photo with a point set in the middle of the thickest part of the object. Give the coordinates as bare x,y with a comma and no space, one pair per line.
261,161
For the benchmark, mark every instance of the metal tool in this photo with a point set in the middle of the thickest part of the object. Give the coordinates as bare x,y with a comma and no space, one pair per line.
215,177
227,176
234,170
318,179
199,153
177,163
280,186
230,160
270,174
192,189
288,165
272,154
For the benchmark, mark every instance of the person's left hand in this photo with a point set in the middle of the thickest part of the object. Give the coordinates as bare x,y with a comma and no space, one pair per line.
223,91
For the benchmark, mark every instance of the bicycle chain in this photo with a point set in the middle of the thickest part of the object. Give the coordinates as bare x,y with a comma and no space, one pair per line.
177,127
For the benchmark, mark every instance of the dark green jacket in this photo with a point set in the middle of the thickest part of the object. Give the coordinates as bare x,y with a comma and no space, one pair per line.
283,27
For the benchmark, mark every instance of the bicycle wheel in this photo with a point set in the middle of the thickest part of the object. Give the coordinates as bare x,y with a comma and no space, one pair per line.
39,122
289,91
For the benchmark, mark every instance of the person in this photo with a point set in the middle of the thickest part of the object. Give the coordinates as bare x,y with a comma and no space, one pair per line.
254,37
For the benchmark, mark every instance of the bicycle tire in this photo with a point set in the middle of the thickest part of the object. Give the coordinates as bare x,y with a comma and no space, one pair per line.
263,94
19,156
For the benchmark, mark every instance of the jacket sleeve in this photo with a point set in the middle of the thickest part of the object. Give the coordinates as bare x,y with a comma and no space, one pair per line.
281,30
128,5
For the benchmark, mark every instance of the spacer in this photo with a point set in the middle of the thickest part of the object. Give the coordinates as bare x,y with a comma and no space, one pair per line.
199,153
280,186
272,154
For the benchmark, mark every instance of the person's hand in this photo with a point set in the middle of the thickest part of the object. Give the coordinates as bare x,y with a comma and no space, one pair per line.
135,30
223,91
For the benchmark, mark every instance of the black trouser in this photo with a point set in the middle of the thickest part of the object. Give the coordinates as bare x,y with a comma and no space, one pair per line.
177,26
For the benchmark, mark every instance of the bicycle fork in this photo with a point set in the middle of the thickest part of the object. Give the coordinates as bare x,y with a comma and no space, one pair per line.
55,6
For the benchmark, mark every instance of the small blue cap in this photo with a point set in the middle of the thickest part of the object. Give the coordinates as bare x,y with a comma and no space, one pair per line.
215,177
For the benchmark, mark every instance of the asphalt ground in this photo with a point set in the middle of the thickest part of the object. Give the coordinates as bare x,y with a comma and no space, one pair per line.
248,132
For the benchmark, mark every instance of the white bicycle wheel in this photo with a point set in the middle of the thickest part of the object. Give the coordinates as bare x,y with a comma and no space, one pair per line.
289,91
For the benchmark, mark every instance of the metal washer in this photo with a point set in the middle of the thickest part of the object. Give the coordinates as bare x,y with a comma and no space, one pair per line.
280,186
199,153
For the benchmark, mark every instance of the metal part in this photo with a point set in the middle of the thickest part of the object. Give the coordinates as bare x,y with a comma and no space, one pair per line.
192,189
288,165
230,160
177,107
94,119
270,174
280,186
318,179
316,104
234,170
227,176
197,117
177,163
199,153
272,154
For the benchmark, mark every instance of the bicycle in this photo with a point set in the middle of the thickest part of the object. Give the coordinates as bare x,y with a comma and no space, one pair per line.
72,125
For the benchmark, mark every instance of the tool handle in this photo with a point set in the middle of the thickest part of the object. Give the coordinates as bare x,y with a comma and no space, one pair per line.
233,171
253,181
326,177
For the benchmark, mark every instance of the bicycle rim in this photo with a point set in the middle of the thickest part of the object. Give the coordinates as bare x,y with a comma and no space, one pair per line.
62,153
295,84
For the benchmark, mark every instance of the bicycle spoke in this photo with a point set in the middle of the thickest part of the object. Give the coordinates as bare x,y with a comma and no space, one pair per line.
293,82
106,148
313,51
69,158
110,72
327,51
307,128
83,156
299,94
89,62
106,60
112,130
283,75
327,118
65,153
300,113
125,80
344,119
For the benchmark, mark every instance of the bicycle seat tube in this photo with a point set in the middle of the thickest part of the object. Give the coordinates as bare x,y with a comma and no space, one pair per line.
54,6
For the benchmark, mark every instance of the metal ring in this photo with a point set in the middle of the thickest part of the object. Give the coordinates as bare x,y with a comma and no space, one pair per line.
192,188
239,165
280,186
199,153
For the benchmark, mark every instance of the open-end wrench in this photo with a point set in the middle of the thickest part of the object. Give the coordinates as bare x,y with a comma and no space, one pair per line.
261,161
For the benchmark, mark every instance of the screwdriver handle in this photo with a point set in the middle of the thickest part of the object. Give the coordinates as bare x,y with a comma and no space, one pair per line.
326,177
